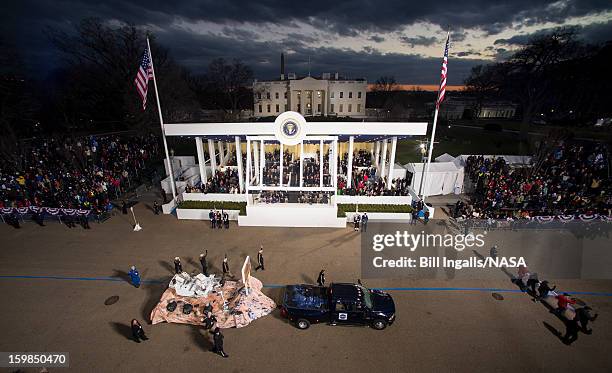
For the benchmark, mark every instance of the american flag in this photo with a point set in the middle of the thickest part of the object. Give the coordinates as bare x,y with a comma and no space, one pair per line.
145,72
443,74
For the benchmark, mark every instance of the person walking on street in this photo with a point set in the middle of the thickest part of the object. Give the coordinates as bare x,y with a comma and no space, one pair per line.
137,331
123,207
178,267
544,289
204,263
134,276
321,278
563,302
571,332
426,217
156,208
364,222
211,216
415,217
226,268
218,342
260,259
493,252
583,315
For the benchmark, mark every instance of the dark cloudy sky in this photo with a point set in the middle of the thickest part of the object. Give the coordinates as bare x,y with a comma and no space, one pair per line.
359,38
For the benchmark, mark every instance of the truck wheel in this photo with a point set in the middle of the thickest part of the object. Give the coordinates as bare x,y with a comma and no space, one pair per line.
379,324
302,324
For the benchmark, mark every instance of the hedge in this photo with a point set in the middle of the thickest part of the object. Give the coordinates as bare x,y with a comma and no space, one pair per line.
350,207
210,205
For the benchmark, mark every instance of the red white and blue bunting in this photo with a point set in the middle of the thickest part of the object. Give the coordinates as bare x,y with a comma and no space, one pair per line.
568,218
49,210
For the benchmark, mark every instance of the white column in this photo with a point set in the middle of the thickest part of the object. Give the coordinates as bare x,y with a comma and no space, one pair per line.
281,164
239,163
256,161
383,159
213,159
248,166
392,162
335,171
201,160
349,168
302,164
321,164
262,162
331,161
221,153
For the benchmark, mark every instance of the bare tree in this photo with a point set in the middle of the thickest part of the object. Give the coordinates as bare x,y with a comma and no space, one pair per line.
385,84
230,79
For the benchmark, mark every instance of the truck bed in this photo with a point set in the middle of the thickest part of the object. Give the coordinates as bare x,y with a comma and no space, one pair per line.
306,297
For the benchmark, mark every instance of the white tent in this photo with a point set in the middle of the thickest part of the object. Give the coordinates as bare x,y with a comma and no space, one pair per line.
443,178
445,158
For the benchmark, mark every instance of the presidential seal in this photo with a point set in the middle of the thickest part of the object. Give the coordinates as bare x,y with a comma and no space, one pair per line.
290,128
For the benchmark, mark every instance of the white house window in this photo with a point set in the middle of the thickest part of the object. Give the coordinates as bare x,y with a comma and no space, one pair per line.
260,108
277,108
350,96
332,94
268,108
340,111
358,95
331,108
350,107
276,95
268,95
341,95
359,107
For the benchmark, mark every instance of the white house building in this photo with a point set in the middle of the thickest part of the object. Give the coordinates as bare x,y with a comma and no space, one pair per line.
327,95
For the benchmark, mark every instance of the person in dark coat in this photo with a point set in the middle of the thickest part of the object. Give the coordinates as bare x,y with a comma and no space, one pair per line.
321,278
364,222
260,260
212,216
85,222
137,331
156,208
571,332
134,276
204,263
219,220
226,268
226,219
218,342
178,267
123,208
544,289
583,316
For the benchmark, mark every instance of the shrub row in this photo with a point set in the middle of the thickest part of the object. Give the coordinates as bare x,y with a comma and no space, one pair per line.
210,205
344,208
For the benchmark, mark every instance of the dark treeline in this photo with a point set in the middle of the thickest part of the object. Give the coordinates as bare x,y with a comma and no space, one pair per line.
94,89
556,78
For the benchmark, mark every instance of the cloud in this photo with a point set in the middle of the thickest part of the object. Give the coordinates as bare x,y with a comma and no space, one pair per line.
418,40
197,31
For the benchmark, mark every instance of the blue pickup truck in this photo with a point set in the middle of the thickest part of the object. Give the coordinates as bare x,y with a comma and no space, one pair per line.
338,304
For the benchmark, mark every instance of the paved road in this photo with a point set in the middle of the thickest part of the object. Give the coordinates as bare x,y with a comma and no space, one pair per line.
436,330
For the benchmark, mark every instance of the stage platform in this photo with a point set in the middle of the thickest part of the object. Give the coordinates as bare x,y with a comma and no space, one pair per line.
291,215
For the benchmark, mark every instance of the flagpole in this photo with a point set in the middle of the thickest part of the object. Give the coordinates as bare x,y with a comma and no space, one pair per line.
433,134
161,120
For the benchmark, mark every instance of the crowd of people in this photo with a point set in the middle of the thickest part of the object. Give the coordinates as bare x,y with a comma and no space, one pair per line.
571,179
75,173
225,181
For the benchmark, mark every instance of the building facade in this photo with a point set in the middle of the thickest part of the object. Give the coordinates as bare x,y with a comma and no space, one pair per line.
325,96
